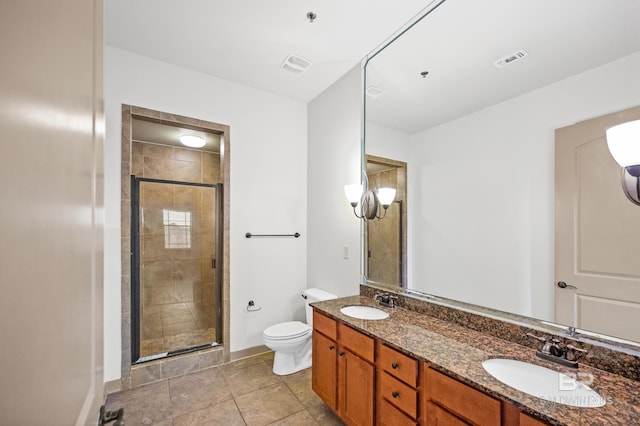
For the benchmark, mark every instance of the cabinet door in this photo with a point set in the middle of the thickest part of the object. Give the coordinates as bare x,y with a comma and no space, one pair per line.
526,420
356,384
437,416
324,369
389,415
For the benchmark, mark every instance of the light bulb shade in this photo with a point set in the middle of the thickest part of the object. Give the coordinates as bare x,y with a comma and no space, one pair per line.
192,141
353,193
386,196
624,143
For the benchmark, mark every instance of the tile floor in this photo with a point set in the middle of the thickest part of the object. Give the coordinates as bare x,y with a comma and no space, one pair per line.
172,326
244,392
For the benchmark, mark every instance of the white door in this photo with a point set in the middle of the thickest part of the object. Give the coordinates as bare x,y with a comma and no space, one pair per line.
597,233
51,285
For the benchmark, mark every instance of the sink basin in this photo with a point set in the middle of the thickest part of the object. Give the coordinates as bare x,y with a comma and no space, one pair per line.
364,312
544,383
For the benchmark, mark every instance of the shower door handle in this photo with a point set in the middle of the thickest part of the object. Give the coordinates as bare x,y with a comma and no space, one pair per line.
213,262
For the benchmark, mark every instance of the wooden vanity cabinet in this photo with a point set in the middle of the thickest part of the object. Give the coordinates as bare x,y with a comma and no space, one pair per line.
397,387
526,420
367,382
343,374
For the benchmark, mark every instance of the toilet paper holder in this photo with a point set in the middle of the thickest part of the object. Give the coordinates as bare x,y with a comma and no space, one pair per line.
251,307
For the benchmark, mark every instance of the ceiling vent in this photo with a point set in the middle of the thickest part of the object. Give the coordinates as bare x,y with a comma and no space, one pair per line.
515,56
296,64
374,92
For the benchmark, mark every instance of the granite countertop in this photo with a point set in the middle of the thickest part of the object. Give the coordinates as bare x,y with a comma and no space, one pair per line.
458,352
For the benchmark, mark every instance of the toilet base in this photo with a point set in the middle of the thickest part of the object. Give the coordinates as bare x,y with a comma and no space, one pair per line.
285,363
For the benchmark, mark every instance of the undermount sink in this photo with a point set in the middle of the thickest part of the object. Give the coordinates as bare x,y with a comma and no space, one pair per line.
364,312
544,383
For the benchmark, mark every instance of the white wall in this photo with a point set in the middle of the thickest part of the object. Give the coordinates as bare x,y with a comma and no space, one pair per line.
486,191
334,161
387,143
268,188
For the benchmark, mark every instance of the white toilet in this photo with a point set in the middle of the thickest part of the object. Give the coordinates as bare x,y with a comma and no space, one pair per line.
291,341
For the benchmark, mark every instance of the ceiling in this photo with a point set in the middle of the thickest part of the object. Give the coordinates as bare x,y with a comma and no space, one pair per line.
459,42
246,41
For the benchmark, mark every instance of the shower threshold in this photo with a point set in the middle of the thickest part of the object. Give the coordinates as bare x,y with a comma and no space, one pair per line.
177,352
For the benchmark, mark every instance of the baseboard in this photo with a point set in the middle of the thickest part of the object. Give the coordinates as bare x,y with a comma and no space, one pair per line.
112,386
245,353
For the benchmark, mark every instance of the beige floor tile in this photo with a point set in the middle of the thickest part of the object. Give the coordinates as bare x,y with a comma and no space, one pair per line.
196,391
225,413
267,405
245,392
255,376
299,419
145,405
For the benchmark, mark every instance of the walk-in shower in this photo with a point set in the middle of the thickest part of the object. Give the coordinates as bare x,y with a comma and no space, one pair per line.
176,248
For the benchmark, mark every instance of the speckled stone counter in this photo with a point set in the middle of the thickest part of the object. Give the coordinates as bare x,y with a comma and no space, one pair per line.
459,351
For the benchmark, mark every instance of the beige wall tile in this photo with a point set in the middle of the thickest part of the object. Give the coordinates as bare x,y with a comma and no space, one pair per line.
137,165
186,198
156,195
192,155
137,148
158,168
187,171
158,151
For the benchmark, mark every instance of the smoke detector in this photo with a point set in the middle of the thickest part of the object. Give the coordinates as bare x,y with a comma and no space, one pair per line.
509,59
296,64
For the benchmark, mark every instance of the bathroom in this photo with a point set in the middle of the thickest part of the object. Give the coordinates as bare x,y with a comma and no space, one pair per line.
278,184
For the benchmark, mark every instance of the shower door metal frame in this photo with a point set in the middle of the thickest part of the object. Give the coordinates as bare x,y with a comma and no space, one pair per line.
135,267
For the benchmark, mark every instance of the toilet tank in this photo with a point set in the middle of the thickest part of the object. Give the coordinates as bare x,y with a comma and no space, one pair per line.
312,295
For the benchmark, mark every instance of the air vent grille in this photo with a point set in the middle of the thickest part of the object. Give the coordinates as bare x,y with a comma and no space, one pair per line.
296,64
509,59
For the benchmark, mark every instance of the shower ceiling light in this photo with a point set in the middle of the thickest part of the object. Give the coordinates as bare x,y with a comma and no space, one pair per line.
192,141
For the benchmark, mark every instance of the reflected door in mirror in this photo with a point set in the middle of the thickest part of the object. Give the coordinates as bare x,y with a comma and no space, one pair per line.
597,233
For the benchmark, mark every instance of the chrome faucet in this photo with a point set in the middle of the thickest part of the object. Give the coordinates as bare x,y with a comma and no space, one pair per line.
553,350
386,299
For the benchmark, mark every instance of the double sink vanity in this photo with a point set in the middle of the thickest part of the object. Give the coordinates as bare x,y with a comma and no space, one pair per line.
381,365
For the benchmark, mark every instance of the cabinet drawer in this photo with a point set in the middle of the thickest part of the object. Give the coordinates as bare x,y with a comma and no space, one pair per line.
389,415
461,399
398,365
358,343
325,325
399,394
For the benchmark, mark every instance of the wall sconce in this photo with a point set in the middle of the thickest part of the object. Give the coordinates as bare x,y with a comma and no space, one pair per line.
624,144
369,201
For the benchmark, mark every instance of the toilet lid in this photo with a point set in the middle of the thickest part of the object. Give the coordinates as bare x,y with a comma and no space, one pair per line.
287,330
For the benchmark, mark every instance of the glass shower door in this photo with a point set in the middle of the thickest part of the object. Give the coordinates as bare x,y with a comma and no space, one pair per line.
174,282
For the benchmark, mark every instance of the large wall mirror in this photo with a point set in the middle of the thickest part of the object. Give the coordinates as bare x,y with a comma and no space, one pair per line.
470,95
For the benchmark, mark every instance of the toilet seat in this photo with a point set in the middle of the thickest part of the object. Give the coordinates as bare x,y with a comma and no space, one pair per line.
287,330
